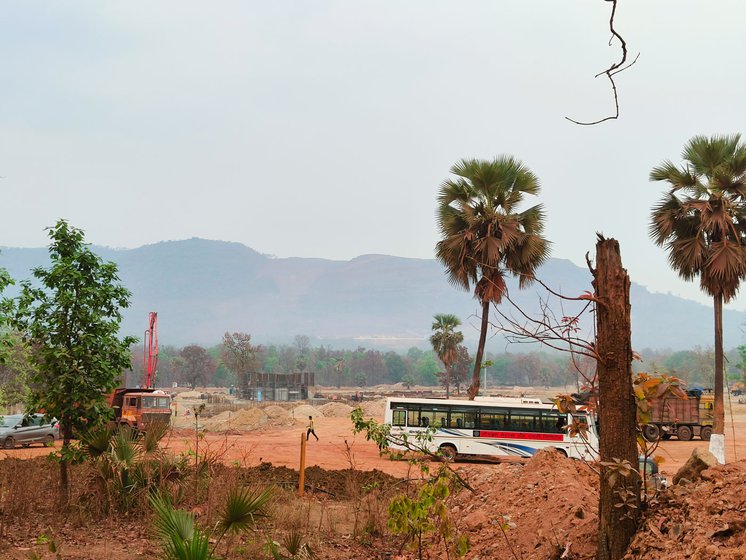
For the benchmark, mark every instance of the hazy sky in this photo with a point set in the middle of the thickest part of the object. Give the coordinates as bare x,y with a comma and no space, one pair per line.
324,128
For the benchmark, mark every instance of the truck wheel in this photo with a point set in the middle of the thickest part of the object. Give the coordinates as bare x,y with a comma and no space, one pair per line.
705,433
448,453
651,432
684,433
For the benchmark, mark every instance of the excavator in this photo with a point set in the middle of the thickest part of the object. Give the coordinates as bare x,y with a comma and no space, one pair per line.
144,405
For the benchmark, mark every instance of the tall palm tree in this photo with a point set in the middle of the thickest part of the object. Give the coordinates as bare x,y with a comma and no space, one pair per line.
484,236
445,340
701,221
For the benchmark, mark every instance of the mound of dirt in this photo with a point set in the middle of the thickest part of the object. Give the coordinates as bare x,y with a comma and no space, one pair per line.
275,412
546,503
697,520
374,409
244,419
303,411
336,410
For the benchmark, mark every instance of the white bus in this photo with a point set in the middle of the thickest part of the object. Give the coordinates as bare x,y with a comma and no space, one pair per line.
507,427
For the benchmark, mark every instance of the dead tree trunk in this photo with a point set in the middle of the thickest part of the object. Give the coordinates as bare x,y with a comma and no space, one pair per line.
617,407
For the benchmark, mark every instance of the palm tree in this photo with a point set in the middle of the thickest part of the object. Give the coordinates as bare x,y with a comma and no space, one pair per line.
445,340
701,221
484,236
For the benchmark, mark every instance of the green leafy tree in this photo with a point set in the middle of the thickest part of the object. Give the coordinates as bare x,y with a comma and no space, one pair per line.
197,365
484,235
71,318
395,365
445,340
701,222
6,309
426,369
240,356
15,373
461,367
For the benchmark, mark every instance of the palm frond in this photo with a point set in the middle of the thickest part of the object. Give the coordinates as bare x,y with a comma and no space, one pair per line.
96,441
124,447
171,525
152,437
243,508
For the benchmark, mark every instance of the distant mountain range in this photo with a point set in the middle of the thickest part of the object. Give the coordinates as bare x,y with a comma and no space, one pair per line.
201,289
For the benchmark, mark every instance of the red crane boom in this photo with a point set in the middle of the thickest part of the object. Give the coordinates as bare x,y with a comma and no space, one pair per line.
150,351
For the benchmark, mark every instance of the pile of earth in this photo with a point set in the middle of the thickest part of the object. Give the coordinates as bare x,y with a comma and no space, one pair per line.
546,507
274,415
702,519
339,484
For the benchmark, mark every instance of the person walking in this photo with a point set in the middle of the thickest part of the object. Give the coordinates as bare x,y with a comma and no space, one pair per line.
310,429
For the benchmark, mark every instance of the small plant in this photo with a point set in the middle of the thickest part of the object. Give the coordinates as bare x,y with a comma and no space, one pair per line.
294,548
51,543
417,518
182,539
128,464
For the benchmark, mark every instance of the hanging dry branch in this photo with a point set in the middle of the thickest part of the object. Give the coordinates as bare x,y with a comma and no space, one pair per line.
612,71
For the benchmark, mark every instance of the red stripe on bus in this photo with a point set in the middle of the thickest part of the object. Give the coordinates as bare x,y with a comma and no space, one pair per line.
520,435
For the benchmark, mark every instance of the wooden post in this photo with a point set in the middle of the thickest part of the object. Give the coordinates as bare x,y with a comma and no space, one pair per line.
302,479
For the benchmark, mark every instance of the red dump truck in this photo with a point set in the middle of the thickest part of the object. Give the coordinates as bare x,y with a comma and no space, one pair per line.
138,408
683,418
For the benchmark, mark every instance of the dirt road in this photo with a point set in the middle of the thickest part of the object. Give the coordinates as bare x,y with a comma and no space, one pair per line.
338,448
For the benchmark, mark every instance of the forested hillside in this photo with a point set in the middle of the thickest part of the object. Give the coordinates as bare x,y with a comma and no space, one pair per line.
201,289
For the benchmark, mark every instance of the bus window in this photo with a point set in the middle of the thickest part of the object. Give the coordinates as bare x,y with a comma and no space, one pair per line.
524,421
399,417
462,418
413,417
552,422
493,418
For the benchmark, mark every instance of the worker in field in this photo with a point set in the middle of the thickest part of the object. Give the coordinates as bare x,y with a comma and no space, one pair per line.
310,429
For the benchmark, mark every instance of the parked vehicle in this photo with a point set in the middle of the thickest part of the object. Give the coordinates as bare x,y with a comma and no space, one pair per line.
137,408
493,426
20,429
683,418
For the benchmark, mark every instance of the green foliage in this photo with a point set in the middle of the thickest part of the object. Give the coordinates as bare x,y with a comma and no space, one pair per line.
294,547
16,369
427,514
445,341
182,539
6,310
426,369
242,509
129,464
72,321
408,380
240,357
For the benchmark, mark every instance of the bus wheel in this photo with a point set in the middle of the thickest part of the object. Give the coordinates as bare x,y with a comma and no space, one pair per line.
684,433
651,432
448,453
706,433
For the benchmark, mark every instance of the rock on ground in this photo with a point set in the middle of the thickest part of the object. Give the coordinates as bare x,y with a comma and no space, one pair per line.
699,460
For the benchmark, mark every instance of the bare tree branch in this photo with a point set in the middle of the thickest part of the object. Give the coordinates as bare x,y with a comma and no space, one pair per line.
613,70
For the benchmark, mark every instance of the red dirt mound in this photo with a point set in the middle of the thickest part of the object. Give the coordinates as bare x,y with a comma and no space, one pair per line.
548,504
700,520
